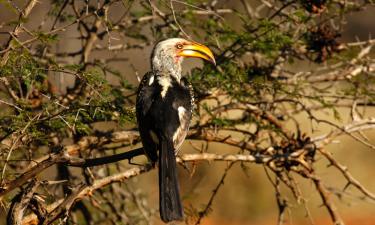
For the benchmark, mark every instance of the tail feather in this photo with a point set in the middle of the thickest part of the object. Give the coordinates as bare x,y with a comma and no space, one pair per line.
170,202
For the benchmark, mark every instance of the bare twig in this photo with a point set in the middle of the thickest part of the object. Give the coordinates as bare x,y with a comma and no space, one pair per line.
16,31
205,211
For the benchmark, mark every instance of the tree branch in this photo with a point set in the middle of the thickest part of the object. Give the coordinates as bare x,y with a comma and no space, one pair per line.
17,30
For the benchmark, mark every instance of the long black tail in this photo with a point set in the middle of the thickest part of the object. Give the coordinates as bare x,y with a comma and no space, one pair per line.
169,194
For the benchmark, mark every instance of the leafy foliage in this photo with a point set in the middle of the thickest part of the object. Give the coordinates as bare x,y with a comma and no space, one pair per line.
68,83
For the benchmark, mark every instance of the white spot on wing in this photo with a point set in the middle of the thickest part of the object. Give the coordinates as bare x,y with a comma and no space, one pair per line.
151,80
181,112
180,134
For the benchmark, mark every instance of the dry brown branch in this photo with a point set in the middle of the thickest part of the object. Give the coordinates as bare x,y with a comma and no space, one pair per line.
11,92
64,207
20,203
94,141
257,100
38,165
345,71
18,29
353,127
281,203
327,200
210,136
207,208
22,179
345,172
63,157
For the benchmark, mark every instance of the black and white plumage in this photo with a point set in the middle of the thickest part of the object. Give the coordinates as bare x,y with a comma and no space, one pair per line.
164,109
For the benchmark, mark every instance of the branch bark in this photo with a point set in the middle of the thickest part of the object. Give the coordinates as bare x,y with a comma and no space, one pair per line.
20,203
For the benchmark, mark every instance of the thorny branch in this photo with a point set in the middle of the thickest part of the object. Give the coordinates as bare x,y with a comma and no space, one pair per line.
206,210
247,102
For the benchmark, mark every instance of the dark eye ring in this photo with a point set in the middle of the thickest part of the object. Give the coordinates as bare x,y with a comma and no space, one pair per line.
179,46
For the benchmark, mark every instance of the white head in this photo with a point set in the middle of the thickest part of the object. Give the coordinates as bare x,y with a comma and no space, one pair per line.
167,55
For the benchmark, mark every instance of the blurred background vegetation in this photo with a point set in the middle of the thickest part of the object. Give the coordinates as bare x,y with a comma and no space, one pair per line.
294,87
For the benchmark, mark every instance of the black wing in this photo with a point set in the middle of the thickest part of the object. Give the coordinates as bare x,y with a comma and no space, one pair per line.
146,95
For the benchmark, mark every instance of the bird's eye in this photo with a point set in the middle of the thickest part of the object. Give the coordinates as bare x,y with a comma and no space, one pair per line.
179,46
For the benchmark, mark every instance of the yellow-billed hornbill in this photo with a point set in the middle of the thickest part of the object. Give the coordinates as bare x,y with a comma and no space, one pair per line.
164,108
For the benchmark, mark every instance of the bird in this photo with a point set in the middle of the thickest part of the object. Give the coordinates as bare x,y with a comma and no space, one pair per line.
164,106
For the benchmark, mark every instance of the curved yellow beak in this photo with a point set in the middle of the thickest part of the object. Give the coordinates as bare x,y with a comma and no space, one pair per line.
198,51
